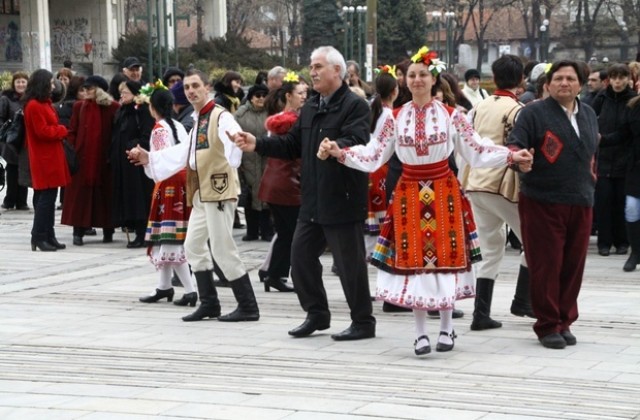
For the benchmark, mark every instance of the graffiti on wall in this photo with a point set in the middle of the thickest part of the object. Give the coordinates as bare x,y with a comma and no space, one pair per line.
71,39
10,41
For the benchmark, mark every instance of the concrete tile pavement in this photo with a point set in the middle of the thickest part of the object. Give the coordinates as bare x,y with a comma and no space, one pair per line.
75,343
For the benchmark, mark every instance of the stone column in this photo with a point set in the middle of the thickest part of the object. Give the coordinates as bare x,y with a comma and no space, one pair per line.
36,34
215,19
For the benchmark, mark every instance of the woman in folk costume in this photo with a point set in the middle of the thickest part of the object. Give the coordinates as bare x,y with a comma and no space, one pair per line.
169,215
428,240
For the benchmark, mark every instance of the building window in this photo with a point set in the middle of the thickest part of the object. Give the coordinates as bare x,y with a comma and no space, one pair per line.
9,7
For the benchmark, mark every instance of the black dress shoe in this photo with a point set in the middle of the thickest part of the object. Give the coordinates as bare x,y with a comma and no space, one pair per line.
90,232
54,241
278,284
422,350
356,332
248,238
136,243
390,307
457,313
604,251
187,299
569,338
622,250
43,246
159,294
553,341
77,240
442,347
310,325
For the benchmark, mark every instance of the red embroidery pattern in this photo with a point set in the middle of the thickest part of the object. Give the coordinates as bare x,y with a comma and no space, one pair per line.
383,140
551,146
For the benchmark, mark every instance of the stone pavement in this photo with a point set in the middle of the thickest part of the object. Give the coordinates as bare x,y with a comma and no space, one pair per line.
75,343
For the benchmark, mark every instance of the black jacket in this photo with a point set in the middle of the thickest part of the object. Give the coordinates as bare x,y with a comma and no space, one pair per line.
331,192
631,141
613,114
9,105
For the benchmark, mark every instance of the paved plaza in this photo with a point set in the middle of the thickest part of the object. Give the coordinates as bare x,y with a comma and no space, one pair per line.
75,343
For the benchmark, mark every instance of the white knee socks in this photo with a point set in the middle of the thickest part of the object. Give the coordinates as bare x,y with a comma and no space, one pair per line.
421,327
446,324
184,275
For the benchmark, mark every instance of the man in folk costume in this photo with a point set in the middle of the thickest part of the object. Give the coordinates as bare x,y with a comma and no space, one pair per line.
494,194
556,199
212,191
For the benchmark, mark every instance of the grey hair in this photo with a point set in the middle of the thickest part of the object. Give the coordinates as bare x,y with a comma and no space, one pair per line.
333,57
276,71
355,65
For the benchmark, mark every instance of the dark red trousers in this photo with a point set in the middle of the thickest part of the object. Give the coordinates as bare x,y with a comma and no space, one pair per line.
555,239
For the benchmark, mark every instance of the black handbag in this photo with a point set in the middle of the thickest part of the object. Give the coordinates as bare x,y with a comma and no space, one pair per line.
14,136
2,177
72,158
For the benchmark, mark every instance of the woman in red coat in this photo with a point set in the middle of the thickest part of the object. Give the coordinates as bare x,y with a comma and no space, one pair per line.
87,200
43,138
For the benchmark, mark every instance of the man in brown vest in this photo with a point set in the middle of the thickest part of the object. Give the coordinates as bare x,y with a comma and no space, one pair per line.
212,190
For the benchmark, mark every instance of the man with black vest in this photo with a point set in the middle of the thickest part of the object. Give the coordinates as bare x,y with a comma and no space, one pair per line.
212,190
556,198
334,198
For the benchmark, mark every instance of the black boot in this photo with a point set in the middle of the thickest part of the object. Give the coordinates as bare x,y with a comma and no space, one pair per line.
187,299
634,238
482,306
247,309
521,304
209,303
159,294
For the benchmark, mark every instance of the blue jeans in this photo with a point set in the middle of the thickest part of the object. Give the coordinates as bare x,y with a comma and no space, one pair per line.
44,202
632,209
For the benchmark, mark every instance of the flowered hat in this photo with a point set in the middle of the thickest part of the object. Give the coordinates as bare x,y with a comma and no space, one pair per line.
429,59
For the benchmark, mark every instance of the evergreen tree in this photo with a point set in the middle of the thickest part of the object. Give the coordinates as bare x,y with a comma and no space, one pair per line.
321,23
402,27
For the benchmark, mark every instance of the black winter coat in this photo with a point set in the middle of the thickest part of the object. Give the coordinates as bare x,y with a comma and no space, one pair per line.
331,192
613,114
9,105
632,144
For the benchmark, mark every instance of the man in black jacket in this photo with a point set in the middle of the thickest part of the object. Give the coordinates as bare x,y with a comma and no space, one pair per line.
334,198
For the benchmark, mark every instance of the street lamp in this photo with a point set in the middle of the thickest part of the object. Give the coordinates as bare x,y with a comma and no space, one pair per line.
361,10
436,15
348,11
450,41
544,39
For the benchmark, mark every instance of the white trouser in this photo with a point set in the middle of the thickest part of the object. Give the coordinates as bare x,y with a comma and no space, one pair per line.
214,222
491,212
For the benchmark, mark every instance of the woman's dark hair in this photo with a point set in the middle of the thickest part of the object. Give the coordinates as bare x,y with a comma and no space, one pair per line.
261,78
385,85
454,86
75,84
441,84
38,86
542,80
404,95
276,100
114,85
59,92
162,102
229,77
18,75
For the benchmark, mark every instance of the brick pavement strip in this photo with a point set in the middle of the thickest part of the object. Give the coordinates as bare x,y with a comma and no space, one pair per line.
76,344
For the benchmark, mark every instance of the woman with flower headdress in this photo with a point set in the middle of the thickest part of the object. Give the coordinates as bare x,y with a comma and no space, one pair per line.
280,185
428,241
169,214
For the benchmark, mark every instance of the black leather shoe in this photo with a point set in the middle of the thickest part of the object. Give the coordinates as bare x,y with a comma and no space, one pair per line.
54,241
422,350
356,332
204,311
569,338
43,246
522,310
622,250
310,325
159,294
604,251
136,243
457,313
189,299
77,240
90,232
389,307
442,347
553,341
278,284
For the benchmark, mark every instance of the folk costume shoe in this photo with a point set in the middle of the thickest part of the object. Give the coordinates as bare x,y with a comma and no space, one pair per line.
209,303
482,306
443,347
422,346
247,309
521,303
188,299
313,323
159,294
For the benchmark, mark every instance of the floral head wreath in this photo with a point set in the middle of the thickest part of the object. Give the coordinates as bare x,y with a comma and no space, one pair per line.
429,59
386,69
291,77
547,68
147,90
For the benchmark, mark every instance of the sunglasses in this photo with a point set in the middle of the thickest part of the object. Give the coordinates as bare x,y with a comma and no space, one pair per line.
259,95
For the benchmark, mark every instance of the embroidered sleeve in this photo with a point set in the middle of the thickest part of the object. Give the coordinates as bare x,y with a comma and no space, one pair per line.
477,151
227,124
167,162
160,139
371,156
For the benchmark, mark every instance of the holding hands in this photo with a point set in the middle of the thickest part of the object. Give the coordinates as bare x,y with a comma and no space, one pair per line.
328,148
245,141
524,159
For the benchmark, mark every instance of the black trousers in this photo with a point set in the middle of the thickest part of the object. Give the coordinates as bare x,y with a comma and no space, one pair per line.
44,202
285,219
16,194
347,245
609,210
